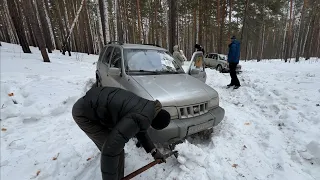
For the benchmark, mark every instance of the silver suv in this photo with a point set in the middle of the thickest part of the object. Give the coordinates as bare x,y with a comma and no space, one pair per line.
219,62
152,73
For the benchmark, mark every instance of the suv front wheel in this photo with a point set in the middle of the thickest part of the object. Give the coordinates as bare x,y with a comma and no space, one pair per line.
98,82
219,68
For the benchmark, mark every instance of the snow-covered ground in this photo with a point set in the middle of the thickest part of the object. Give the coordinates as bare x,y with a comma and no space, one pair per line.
271,129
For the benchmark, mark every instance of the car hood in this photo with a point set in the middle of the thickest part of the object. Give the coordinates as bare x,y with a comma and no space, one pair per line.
238,65
176,89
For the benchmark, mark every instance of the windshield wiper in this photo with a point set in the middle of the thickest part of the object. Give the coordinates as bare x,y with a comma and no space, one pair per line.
155,72
173,72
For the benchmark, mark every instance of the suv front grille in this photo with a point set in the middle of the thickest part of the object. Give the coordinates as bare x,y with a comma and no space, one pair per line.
193,111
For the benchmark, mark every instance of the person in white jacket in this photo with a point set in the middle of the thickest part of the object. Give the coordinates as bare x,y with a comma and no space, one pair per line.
177,55
184,57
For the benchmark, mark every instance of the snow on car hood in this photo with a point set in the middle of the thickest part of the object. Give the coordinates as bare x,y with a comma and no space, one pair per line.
176,89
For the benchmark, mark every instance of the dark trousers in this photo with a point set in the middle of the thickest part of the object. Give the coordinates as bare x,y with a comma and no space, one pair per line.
94,130
233,74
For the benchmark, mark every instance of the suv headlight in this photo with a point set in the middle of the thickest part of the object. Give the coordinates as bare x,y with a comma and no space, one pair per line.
213,103
172,111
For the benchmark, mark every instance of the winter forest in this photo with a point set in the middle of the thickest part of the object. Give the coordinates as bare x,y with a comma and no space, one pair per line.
277,29
256,117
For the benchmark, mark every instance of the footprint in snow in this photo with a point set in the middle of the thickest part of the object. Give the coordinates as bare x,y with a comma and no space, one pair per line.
276,92
64,106
58,110
28,102
275,108
30,120
16,144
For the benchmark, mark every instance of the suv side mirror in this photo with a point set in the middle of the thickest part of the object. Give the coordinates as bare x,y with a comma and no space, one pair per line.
115,71
194,71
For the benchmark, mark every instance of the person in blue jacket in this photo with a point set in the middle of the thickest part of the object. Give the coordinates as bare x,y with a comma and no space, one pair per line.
233,60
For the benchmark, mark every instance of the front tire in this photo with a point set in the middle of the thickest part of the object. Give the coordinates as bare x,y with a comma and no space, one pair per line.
219,68
98,82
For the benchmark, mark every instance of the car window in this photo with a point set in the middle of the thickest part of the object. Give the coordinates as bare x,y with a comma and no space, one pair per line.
107,55
215,56
116,58
197,63
210,55
150,60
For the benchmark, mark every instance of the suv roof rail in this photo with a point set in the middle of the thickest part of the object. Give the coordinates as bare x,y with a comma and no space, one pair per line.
153,45
119,42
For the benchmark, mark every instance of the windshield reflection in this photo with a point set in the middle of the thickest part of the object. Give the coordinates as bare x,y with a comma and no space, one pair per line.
149,60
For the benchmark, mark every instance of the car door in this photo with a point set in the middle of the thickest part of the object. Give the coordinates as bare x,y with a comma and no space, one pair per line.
101,54
208,59
197,67
214,60
103,67
114,72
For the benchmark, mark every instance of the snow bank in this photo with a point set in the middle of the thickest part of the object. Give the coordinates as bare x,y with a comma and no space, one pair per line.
270,131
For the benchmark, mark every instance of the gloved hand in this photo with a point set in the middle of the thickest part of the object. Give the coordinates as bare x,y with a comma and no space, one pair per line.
158,155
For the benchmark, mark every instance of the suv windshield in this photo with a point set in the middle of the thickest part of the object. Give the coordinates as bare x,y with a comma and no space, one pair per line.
150,60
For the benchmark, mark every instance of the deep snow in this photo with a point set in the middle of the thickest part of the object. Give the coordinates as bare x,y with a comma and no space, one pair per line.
271,129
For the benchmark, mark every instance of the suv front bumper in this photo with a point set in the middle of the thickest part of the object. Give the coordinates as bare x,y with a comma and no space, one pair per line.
227,70
178,129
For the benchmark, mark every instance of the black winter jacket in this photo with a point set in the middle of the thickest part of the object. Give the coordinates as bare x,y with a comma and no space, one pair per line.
127,115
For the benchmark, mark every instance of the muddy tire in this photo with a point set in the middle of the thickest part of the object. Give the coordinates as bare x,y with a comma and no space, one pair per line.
98,82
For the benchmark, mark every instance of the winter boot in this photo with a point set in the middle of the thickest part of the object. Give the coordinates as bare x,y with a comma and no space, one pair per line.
229,85
236,87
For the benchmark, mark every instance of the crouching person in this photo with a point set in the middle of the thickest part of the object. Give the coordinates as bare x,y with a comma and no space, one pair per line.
110,117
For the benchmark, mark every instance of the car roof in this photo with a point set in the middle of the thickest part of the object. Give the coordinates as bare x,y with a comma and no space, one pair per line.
140,46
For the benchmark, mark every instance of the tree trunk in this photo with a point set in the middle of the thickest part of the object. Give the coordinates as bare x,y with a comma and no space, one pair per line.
18,24
194,32
172,24
200,31
156,21
118,21
219,26
58,31
89,35
261,35
288,44
101,25
318,45
72,26
50,23
4,25
32,39
102,9
44,25
230,15
36,29
309,38
244,24
222,23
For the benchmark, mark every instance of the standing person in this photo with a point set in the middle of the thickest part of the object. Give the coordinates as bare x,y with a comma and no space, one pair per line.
199,48
110,117
177,55
233,60
182,54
